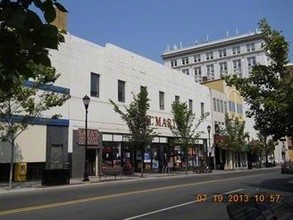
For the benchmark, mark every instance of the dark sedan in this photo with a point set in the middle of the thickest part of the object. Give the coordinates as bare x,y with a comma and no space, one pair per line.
287,167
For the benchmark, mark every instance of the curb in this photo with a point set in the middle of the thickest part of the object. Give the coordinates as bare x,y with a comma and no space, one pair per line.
34,186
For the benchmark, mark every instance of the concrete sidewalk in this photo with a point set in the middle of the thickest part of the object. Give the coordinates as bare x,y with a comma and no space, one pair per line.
37,184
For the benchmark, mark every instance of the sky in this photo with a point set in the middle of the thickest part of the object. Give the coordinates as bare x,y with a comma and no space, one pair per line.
146,27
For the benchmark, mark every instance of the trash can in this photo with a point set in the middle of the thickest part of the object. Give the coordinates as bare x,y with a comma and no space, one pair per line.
20,172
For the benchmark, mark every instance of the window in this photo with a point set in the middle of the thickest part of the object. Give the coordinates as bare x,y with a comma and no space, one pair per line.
121,91
95,84
202,108
218,105
197,71
237,67
185,71
223,68
197,74
190,103
236,50
222,53
251,61
250,47
225,107
231,106
221,109
215,104
185,60
209,56
196,58
177,98
210,71
161,100
173,63
239,109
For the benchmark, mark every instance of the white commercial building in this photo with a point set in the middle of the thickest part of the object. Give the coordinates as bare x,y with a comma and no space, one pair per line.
105,73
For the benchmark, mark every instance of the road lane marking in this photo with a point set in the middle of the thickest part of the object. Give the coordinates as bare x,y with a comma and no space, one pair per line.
174,207
234,191
159,210
77,201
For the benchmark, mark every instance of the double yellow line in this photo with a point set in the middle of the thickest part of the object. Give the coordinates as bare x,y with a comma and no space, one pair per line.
77,201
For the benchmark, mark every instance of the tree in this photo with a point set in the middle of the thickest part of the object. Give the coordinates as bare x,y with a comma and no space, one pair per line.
24,104
185,129
268,146
137,121
234,135
25,38
269,89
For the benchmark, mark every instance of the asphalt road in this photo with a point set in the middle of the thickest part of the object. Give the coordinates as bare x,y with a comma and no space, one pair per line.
180,197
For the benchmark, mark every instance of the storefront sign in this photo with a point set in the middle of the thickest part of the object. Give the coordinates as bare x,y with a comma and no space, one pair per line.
219,138
161,121
92,137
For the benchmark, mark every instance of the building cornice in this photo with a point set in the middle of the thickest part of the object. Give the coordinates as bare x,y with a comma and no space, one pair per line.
212,45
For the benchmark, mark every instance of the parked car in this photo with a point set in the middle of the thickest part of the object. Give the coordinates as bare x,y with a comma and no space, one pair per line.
287,167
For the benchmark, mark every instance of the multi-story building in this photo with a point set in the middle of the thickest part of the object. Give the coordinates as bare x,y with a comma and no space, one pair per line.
105,73
211,60
225,100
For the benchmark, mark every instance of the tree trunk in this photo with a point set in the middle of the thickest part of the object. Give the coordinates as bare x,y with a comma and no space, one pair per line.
186,160
133,158
12,143
266,154
142,162
185,149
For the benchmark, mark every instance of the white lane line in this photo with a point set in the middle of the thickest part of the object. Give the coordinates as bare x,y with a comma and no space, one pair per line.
174,207
160,210
233,191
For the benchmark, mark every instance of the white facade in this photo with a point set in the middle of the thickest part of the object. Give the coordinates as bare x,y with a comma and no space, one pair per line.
77,59
211,60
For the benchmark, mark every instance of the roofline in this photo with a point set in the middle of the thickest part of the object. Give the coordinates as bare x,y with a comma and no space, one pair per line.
212,45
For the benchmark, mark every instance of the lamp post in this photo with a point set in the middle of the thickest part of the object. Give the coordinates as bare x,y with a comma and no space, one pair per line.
86,102
249,154
209,132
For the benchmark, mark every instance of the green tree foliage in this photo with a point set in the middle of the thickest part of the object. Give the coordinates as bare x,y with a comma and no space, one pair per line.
137,120
185,129
262,146
24,104
269,89
25,38
233,133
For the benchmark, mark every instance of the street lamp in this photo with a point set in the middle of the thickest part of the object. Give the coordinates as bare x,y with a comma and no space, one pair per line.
86,102
209,132
249,153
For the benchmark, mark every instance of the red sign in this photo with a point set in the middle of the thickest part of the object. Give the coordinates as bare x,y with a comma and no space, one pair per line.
92,137
219,138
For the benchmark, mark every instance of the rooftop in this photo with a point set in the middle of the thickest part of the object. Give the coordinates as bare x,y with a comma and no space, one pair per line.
228,40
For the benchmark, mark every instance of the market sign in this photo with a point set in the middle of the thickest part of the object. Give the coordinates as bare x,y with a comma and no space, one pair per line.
161,121
93,136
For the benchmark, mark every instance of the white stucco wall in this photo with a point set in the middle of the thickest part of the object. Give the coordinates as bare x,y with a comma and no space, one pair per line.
77,58
30,146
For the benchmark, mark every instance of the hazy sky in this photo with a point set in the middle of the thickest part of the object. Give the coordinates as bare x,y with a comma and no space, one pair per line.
146,27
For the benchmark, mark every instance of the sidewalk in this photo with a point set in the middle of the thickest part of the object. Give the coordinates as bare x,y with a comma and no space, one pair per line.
37,184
